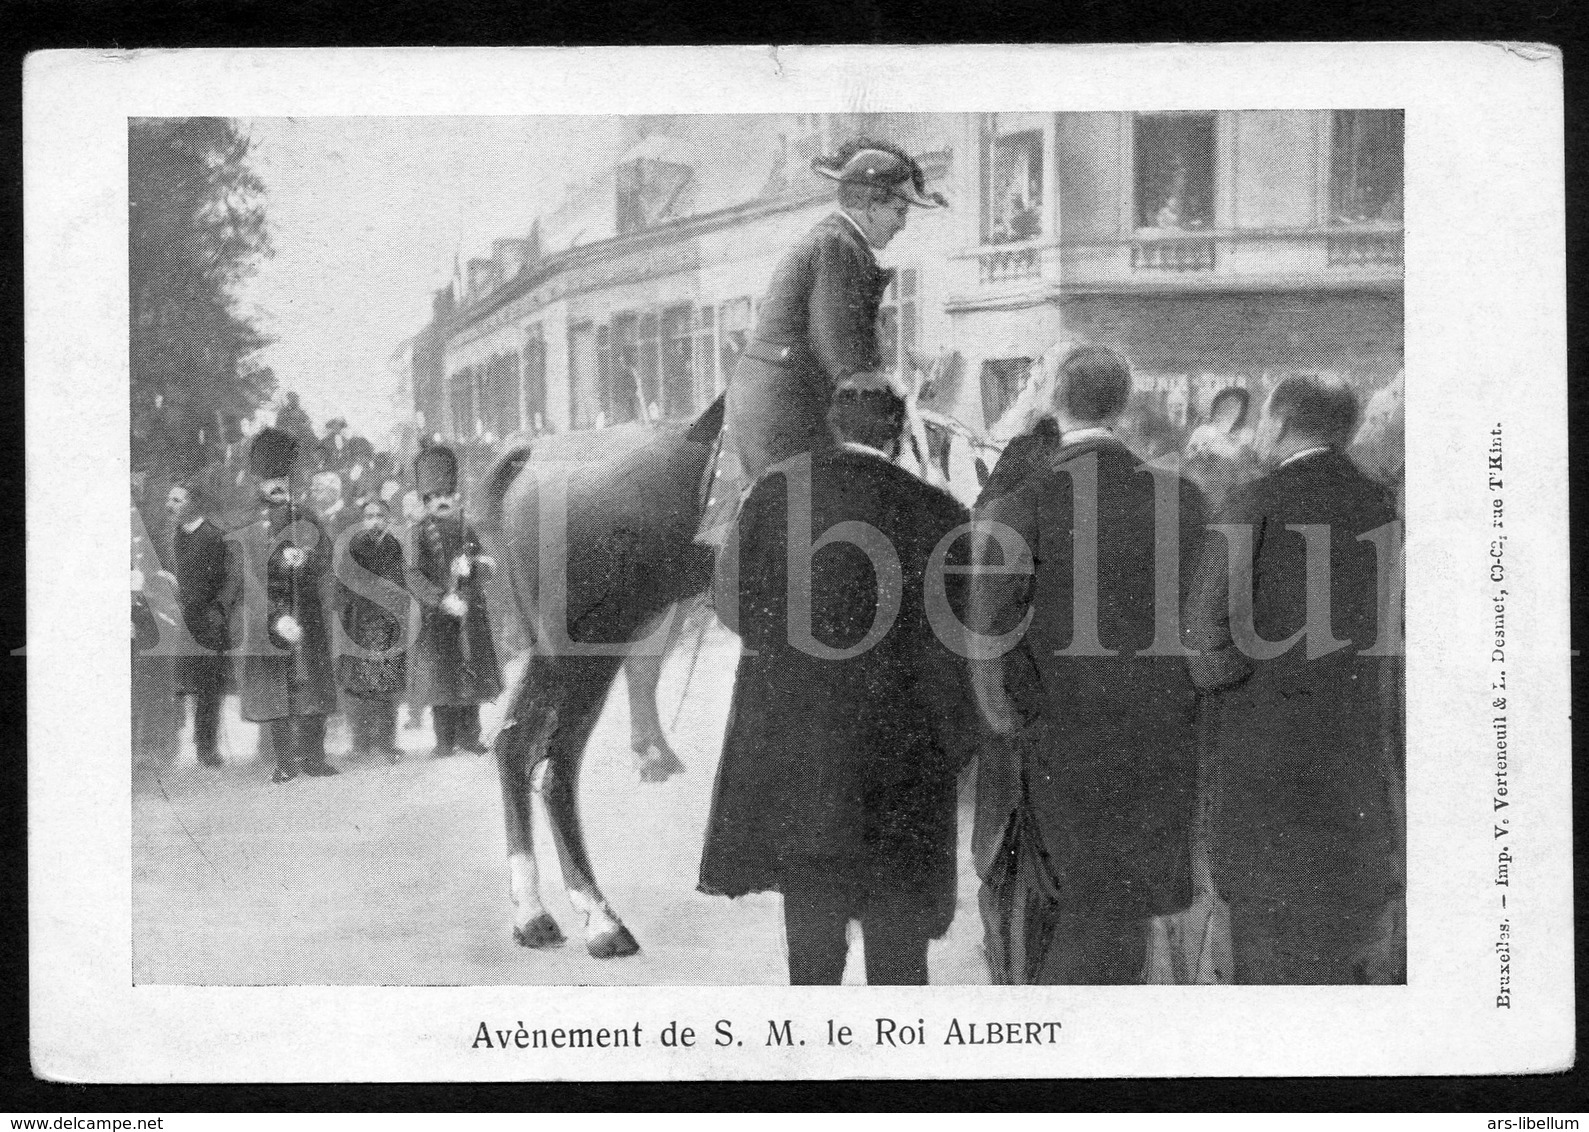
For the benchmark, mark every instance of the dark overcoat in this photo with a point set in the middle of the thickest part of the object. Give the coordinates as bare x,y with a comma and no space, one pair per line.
817,325
1309,777
276,679
1104,779
375,668
848,765
200,560
454,662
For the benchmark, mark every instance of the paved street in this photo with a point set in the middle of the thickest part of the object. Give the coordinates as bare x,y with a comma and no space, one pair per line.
395,874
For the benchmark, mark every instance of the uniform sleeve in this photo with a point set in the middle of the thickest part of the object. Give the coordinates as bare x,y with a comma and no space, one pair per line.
843,310
1218,663
421,567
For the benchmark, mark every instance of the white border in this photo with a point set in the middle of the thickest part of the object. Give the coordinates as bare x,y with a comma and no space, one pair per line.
1485,342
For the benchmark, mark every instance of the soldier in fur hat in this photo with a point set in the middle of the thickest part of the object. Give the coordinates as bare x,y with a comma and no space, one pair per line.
454,666
278,587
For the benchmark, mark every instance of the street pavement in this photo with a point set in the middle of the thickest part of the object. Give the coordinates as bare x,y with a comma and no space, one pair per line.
396,875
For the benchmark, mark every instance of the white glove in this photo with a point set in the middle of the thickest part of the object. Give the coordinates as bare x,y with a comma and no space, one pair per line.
288,629
293,556
460,566
454,606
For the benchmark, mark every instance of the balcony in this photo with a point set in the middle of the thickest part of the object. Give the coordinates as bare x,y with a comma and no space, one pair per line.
1257,258
1274,259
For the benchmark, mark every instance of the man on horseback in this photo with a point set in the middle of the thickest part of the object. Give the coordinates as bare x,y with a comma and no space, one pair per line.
817,324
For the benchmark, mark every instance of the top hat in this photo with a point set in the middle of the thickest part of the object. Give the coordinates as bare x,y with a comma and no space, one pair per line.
271,455
881,169
436,471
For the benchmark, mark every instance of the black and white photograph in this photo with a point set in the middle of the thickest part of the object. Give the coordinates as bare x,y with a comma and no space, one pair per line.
699,539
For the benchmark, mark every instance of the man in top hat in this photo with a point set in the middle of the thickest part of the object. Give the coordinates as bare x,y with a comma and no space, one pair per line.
279,586
817,325
454,668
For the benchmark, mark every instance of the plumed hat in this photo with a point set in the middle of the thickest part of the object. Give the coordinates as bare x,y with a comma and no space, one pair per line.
436,471
272,453
882,169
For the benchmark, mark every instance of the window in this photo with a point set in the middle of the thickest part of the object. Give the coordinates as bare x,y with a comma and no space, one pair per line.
733,335
1012,187
898,318
678,362
650,367
1174,171
535,382
622,399
461,398
706,355
1002,379
1366,166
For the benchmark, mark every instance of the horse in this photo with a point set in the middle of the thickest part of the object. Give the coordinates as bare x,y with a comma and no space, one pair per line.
598,559
604,568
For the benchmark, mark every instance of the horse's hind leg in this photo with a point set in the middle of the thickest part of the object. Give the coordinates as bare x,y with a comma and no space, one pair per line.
642,672
585,682
519,748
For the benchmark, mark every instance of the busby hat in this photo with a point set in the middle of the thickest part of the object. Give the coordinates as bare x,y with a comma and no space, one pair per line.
883,169
436,471
271,454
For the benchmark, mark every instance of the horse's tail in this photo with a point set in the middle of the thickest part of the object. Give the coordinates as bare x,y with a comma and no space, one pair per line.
499,479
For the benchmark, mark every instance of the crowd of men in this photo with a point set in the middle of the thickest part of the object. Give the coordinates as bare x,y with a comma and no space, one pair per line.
278,572
1168,673
1126,621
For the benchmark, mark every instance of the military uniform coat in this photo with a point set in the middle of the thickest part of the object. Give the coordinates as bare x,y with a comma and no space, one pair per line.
276,679
817,325
1309,779
846,765
1101,786
370,624
454,662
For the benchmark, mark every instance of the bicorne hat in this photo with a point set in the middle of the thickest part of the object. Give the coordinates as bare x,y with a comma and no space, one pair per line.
898,174
271,454
436,471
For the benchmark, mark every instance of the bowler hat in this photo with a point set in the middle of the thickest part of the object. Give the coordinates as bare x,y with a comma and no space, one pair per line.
882,169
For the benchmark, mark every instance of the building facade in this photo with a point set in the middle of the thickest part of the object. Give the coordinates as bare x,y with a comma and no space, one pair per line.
1211,248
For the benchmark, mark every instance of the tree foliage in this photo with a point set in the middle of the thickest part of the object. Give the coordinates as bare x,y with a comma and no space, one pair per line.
197,231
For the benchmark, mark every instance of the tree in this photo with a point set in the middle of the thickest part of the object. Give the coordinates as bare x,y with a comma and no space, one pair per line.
196,231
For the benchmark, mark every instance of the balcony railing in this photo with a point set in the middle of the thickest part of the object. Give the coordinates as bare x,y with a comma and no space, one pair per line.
1009,264
1158,254
1365,249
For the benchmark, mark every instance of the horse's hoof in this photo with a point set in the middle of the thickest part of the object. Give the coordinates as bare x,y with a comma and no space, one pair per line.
613,945
659,763
539,932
